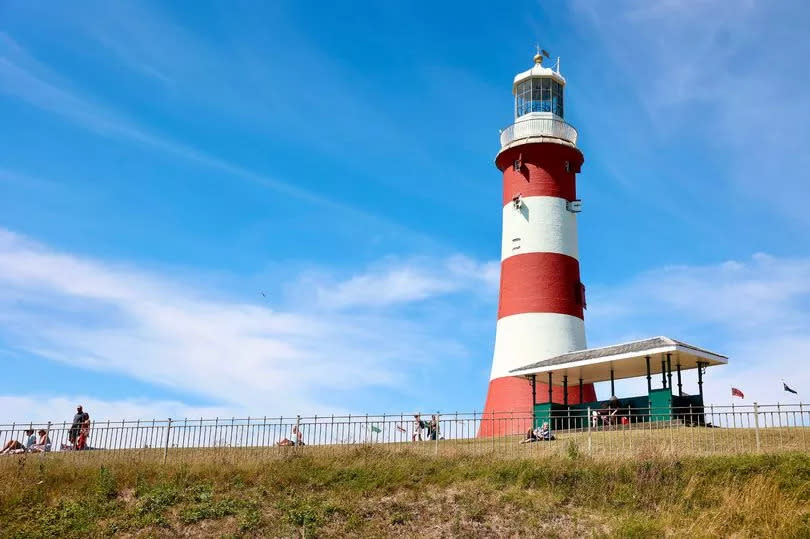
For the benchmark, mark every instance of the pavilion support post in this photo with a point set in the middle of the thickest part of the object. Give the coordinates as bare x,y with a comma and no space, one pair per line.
669,370
550,394
580,390
664,372
680,387
612,384
649,377
565,390
534,399
700,379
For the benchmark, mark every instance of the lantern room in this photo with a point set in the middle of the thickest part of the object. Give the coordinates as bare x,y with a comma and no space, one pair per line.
539,90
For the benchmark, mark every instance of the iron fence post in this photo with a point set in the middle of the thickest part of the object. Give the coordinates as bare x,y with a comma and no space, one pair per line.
166,444
589,429
756,424
493,431
476,428
779,417
436,433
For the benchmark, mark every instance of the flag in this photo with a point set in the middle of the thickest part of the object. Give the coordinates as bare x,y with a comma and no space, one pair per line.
788,389
375,428
737,393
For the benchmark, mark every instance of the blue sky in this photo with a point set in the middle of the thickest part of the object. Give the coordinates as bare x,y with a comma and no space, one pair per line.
163,164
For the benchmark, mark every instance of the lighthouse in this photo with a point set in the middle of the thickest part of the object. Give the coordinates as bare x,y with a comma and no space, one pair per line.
542,299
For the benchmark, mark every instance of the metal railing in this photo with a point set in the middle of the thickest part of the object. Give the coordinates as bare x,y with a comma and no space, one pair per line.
599,432
538,127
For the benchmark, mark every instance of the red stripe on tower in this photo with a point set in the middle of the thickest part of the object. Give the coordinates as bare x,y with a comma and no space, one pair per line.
541,301
525,288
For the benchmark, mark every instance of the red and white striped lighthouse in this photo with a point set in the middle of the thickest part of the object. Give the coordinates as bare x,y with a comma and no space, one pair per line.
541,303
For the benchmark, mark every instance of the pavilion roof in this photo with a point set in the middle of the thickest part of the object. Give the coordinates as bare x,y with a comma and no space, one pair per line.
628,360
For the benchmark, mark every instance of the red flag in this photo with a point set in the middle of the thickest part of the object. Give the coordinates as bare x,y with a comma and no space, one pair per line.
737,393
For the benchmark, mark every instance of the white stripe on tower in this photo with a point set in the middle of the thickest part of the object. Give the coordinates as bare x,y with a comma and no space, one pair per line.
521,339
541,225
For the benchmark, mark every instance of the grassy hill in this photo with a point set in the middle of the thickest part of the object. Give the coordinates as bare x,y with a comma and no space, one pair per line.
371,492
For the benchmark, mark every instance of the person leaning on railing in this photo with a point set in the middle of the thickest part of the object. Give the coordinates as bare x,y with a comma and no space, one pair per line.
418,425
433,427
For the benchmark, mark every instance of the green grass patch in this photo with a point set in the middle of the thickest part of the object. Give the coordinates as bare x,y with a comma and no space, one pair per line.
372,492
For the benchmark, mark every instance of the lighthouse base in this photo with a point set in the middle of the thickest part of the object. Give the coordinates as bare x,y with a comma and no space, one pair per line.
508,408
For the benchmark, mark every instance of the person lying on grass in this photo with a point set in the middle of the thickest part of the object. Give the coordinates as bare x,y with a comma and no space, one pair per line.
13,446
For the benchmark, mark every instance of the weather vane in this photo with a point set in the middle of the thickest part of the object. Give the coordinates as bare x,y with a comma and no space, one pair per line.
540,53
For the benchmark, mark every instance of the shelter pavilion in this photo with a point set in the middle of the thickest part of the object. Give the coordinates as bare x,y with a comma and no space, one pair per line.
653,357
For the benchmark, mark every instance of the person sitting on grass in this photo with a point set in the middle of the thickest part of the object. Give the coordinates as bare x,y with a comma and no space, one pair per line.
298,438
540,433
13,446
43,444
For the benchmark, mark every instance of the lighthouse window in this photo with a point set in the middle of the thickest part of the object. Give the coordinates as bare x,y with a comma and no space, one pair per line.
539,95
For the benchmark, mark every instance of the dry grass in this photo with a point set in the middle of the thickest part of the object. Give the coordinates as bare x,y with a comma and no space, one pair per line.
370,492
601,444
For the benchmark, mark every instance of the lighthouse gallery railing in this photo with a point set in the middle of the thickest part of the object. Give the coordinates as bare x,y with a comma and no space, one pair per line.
538,127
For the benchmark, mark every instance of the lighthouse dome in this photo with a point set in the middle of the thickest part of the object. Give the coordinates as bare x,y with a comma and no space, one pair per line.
539,91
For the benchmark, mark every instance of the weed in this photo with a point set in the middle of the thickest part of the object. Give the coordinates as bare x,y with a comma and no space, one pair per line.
106,487
208,510
572,450
250,519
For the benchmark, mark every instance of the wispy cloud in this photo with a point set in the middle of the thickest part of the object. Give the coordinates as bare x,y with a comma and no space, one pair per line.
756,311
25,78
721,75
361,332
99,315
398,281
45,407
